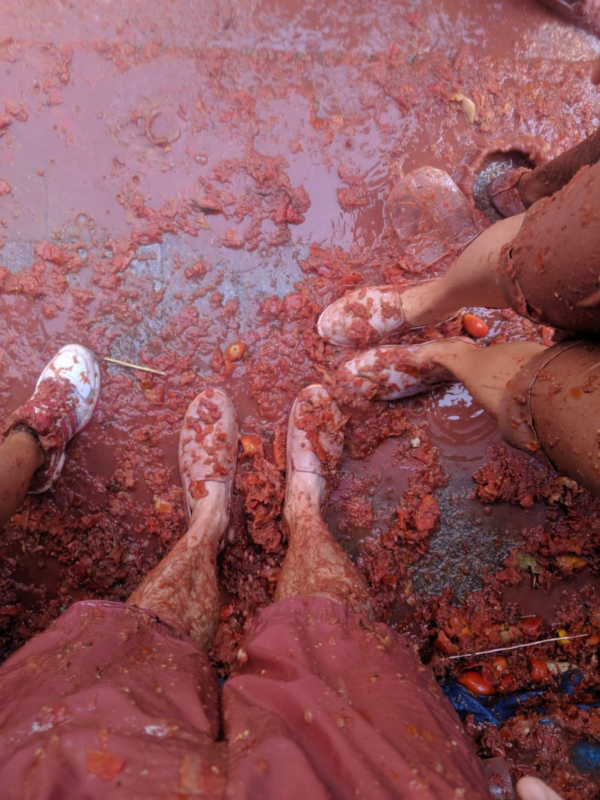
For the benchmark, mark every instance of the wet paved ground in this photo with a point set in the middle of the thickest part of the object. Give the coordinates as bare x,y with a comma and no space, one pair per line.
176,177
124,123
122,119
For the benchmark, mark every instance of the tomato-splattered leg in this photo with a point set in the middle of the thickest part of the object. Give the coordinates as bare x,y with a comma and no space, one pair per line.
396,371
366,315
516,190
315,564
545,399
183,590
20,457
470,281
486,371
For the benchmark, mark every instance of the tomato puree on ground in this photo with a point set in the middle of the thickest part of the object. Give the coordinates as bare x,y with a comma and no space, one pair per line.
187,189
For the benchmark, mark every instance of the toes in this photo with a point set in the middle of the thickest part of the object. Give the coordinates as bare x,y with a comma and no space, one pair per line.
391,373
362,316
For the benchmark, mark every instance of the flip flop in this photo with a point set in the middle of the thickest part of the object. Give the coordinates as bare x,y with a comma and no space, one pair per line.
208,446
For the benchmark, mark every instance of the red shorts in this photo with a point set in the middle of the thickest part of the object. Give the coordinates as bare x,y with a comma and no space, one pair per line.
549,271
110,702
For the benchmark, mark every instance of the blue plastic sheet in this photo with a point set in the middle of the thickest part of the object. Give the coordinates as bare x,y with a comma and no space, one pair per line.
485,709
586,757
498,709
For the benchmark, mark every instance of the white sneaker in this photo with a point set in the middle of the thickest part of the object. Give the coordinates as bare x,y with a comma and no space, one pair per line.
64,401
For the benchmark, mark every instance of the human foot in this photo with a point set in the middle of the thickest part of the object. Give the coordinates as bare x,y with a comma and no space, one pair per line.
62,405
396,371
208,445
363,316
504,194
315,440
433,218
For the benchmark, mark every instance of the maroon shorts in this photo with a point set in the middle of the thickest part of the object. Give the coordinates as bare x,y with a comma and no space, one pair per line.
551,408
110,702
550,271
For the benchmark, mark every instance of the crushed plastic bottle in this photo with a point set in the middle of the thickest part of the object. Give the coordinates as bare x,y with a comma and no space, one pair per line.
431,216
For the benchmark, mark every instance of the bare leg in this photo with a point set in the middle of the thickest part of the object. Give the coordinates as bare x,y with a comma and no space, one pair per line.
485,371
315,564
470,281
393,372
183,590
365,315
532,391
20,457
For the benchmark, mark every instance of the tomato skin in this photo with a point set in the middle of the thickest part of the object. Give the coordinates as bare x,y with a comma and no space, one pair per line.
251,444
235,351
445,644
500,664
538,669
105,765
476,682
571,563
508,683
531,625
475,326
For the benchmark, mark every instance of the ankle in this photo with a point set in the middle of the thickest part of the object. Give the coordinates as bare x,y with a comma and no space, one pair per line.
445,352
211,514
25,442
427,303
305,496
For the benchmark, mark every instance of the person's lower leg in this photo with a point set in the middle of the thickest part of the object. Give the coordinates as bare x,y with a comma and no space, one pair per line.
183,590
315,565
393,372
485,371
20,458
546,180
470,281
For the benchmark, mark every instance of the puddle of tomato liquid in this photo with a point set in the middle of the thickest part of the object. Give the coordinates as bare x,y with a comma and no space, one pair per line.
120,127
